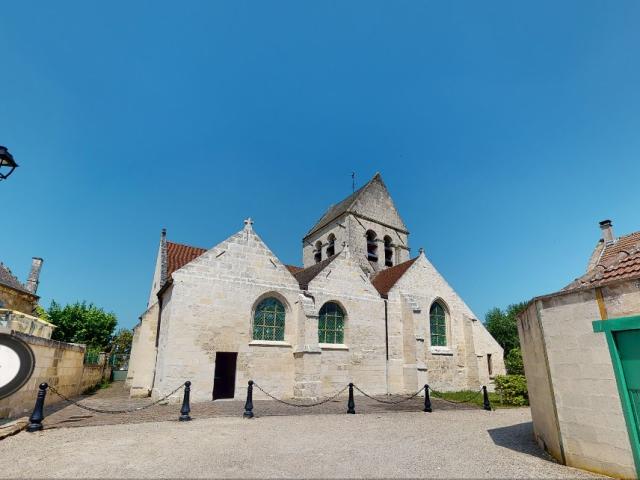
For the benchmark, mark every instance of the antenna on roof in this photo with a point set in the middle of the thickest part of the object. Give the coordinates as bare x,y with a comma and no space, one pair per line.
353,182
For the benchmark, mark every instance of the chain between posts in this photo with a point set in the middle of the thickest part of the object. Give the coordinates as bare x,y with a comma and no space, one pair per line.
439,396
100,410
388,402
291,404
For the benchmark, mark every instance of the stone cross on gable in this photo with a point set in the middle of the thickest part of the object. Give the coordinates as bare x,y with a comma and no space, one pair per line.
248,224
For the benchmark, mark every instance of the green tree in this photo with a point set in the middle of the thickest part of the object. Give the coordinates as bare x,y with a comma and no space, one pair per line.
513,362
503,327
82,323
41,313
122,340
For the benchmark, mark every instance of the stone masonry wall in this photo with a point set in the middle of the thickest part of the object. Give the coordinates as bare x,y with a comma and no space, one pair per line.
590,418
541,398
14,300
210,310
447,368
143,353
59,364
361,359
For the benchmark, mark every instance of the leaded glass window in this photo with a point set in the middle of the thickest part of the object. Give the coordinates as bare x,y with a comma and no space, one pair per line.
268,321
331,324
438,325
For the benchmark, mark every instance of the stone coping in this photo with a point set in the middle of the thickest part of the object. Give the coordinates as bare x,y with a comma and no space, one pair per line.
33,340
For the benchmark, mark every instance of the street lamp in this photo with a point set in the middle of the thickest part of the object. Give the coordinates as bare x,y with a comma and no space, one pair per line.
7,163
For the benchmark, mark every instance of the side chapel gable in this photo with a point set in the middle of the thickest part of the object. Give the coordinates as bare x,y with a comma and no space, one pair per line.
343,276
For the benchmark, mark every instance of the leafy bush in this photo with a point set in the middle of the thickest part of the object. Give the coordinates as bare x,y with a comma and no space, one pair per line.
512,389
513,362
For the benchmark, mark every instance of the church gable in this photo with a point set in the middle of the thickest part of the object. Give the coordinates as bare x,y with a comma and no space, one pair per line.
243,258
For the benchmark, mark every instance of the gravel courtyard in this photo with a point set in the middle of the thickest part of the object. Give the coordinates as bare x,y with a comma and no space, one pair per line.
443,444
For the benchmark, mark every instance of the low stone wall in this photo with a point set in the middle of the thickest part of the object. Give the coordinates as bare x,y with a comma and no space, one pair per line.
59,364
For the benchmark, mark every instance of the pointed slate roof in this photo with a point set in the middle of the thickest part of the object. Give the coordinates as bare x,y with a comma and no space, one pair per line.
8,279
336,210
305,275
345,206
386,279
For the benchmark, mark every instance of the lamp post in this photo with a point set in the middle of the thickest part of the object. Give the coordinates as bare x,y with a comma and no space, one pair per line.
7,163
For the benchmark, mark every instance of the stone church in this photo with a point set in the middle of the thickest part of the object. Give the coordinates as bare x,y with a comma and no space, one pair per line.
359,309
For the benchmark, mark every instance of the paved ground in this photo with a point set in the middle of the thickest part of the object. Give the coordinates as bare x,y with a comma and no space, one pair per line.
116,397
443,444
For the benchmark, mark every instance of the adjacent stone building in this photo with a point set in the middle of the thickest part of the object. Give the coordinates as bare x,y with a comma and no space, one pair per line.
358,310
581,351
14,295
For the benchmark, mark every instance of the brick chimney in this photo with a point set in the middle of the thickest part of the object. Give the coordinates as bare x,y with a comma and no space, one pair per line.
34,275
607,231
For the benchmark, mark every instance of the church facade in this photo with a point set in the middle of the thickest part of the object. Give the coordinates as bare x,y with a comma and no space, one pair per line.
359,309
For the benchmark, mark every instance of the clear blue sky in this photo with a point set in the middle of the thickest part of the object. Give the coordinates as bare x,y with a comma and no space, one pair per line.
505,131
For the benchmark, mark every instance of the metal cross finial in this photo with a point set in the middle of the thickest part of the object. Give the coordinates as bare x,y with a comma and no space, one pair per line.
248,223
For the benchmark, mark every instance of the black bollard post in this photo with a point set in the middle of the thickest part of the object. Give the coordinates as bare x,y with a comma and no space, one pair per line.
427,400
351,404
35,420
248,406
186,408
485,397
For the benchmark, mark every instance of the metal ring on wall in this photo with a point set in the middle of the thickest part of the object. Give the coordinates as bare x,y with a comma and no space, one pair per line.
17,362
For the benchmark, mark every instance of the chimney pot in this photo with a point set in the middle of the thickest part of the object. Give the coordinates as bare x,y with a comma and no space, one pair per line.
34,275
607,231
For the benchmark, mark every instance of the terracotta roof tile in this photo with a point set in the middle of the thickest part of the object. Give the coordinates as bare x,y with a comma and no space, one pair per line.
386,279
622,244
178,255
619,261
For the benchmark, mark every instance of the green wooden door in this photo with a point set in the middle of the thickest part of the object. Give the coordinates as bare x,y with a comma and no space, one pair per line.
628,343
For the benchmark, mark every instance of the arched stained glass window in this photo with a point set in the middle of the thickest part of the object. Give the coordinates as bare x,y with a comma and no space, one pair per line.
438,323
331,324
268,321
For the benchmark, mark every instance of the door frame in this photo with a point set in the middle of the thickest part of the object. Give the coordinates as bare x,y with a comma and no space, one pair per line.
608,327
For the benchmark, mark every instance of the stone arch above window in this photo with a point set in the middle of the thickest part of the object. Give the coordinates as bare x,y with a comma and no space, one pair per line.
331,324
269,320
438,324
331,245
317,253
388,251
372,246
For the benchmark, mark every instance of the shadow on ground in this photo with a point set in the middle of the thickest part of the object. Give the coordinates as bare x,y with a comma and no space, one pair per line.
519,438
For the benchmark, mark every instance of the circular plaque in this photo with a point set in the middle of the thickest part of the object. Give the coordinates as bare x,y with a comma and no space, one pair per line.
16,364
